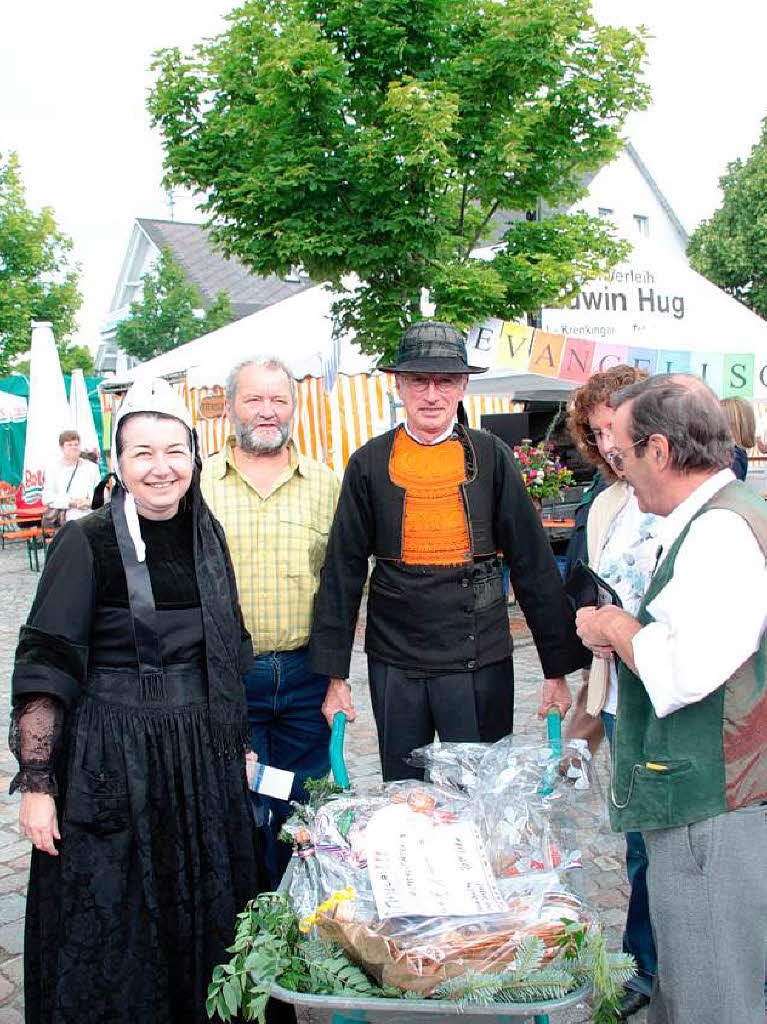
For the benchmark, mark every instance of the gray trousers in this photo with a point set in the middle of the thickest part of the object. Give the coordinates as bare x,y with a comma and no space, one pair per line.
708,907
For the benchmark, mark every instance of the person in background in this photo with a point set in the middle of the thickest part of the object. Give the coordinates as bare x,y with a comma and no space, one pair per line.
71,480
276,506
740,416
130,727
436,503
689,767
621,548
581,725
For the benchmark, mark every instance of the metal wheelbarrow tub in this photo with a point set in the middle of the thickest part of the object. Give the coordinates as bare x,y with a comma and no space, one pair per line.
368,1010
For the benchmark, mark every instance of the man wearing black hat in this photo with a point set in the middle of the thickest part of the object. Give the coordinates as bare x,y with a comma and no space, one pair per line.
439,506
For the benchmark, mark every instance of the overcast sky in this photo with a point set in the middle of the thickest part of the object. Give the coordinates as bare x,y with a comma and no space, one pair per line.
74,76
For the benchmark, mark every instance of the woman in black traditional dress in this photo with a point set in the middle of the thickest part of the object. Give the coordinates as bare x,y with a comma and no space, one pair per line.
130,727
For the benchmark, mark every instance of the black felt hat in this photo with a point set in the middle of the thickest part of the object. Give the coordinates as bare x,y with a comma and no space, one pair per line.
431,346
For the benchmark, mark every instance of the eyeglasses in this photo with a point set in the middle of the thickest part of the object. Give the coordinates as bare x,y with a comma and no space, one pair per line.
593,437
421,382
615,458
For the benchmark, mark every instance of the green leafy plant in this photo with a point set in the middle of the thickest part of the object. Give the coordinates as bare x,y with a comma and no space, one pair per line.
323,789
607,972
527,980
264,948
543,473
269,947
331,972
38,279
585,961
319,791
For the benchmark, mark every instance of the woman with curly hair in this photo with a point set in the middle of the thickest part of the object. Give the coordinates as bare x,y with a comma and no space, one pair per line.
622,549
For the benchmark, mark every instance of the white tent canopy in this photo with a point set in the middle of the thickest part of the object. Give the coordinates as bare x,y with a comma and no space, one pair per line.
299,330
660,303
650,311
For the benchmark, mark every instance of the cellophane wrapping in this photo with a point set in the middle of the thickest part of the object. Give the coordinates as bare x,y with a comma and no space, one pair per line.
420,882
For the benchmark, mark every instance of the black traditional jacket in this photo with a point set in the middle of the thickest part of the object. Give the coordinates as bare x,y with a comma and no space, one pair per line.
436,619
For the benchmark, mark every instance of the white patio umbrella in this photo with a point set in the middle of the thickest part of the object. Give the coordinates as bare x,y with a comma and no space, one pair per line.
81,414
47,413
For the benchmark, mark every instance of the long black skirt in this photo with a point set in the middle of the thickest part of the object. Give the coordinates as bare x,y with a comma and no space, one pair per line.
158,854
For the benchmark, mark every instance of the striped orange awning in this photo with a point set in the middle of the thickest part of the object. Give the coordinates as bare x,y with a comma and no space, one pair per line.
328,426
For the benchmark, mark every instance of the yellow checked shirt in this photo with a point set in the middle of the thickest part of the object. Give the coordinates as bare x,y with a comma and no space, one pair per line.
277,543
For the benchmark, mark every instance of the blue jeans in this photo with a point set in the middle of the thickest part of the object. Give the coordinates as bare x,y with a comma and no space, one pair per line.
289,731
637,936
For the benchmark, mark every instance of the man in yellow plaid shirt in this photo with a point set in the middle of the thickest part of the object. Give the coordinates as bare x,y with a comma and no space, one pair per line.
276,507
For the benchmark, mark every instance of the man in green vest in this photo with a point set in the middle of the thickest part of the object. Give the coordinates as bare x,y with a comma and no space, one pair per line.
689,767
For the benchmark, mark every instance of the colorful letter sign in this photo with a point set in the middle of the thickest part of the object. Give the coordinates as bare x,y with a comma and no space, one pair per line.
530,350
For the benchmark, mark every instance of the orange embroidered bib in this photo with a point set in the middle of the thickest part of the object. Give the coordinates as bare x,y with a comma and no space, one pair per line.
434,527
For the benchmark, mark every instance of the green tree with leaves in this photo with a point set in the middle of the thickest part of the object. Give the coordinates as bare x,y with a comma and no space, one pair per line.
170,312
381,138
38,281
71,357
730,248
74,357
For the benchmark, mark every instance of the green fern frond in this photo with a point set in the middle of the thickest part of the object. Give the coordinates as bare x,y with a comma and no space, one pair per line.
534,992
529,956
331,971
622,966
453,988
508,987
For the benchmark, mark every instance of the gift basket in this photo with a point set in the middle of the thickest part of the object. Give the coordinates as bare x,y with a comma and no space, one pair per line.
452,892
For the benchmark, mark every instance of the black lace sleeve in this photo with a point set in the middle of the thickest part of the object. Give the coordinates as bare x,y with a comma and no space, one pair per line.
35,736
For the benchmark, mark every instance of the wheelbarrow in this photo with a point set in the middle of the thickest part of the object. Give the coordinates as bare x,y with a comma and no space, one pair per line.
367,1010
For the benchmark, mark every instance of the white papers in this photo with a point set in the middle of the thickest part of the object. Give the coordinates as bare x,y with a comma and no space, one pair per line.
421,867
273,782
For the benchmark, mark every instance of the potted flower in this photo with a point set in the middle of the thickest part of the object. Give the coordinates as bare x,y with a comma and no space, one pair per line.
544,475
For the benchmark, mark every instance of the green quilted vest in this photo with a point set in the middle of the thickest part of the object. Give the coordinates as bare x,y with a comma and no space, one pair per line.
707,757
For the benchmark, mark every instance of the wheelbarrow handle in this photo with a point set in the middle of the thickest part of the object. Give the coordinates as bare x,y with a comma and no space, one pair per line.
554,730
554,737
340,775
338,767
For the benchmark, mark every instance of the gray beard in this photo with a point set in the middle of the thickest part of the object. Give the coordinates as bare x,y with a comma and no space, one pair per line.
249,440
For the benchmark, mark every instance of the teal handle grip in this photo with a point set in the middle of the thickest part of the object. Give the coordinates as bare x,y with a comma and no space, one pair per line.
337,765
554,736
554,730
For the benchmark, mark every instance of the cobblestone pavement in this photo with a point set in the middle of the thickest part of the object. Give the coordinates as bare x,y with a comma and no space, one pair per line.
604,875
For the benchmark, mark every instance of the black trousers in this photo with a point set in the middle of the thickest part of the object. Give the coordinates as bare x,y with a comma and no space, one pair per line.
460,707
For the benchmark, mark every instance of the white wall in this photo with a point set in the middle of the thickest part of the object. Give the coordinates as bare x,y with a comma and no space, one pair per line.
141,256
622,188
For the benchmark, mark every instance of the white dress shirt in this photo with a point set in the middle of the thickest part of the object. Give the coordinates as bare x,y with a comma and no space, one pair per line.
710,616
64,481
437,440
